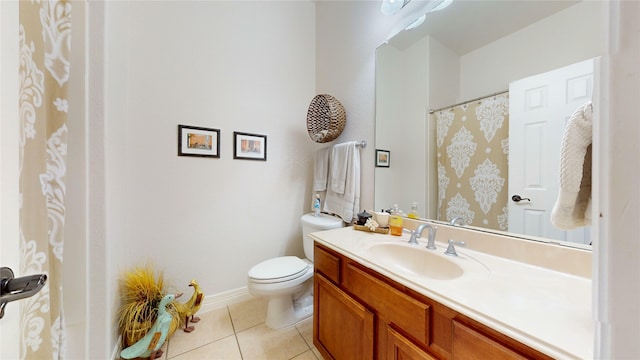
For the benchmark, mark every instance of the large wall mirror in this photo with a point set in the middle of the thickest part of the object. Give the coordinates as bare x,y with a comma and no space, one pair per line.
469,51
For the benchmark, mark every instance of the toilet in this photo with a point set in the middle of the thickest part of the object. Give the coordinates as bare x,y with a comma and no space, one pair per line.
287,281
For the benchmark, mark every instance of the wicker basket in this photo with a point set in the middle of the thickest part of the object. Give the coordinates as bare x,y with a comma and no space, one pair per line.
325,118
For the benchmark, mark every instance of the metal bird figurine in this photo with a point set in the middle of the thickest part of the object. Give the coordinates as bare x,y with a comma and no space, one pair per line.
190,308
149,346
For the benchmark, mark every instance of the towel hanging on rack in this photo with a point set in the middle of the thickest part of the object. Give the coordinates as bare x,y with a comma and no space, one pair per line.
343,187
321,169
573,205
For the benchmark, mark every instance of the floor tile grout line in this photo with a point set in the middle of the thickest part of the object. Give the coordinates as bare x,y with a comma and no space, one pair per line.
303,339
203,345
311,346
235,334
167,354
302,336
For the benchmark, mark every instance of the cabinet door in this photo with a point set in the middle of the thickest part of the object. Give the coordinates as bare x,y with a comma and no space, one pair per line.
342,328
407,313
469,344
326,263
400,348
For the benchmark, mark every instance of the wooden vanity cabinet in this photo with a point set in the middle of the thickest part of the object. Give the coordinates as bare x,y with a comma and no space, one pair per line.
346,327
361,314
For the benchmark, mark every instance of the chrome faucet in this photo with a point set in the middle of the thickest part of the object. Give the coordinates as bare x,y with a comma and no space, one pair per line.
431,239
458,220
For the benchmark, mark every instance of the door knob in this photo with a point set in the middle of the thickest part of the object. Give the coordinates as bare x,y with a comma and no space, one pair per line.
12,288
518,198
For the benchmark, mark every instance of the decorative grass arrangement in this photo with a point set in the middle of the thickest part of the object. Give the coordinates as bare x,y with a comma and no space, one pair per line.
140,295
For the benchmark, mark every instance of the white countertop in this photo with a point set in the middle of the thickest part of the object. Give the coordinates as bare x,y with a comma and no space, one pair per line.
547,310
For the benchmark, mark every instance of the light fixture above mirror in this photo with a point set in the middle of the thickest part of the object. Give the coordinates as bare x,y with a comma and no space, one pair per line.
391,7
414,14
416,23
442,5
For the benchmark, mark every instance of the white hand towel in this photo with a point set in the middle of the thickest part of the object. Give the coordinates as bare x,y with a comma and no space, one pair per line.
573,205
347,204
321,169
340,156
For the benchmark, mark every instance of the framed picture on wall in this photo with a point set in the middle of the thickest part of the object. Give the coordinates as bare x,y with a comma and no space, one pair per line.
249,146
198,141
382,158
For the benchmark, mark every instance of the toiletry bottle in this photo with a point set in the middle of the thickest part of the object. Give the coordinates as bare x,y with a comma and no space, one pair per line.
414,211
316,205
395,221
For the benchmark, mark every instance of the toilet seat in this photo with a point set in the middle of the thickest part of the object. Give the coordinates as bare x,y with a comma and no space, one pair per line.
280,269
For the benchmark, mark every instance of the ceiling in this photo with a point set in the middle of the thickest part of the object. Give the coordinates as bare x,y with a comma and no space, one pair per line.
467,25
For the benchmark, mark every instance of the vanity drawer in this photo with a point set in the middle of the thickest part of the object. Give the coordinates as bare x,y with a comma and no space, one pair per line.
326,263
391,304
470,344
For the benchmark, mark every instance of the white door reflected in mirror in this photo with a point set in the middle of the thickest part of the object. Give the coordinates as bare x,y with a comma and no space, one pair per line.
539,107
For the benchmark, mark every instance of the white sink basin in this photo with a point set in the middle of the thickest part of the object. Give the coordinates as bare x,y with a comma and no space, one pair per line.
415,260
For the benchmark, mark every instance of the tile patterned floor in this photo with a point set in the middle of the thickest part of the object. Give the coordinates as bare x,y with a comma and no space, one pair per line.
238,332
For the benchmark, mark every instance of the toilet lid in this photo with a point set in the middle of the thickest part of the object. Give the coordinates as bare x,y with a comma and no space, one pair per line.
279,269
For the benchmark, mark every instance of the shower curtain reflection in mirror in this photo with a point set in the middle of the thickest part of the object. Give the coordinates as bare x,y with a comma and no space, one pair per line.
472,142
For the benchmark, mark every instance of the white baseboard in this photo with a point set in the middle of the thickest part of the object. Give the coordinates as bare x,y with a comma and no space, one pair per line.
216,301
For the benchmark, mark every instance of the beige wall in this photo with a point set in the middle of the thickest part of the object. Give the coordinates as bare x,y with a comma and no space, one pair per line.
543,46
233,66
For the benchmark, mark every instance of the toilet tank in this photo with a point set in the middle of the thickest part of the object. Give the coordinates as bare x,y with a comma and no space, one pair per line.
312,223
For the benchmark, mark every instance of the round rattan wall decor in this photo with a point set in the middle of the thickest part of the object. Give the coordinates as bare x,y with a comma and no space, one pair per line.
325,118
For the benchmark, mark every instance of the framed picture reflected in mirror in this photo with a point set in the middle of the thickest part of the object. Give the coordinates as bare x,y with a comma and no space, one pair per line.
383,158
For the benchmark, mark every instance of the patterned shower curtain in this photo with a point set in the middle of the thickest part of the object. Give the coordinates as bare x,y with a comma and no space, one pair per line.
472,148
44,46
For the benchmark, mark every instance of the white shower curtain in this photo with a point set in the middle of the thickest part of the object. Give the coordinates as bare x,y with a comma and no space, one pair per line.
44,46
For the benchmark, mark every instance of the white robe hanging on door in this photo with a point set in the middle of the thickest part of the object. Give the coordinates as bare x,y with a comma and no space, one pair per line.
573,205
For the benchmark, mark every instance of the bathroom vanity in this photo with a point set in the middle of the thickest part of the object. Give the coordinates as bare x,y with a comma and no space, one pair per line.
377,297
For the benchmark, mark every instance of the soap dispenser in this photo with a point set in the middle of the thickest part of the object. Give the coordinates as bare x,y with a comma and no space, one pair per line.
413,214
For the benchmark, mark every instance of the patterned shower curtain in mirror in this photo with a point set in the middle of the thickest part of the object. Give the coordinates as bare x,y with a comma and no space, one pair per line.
44,46
472,147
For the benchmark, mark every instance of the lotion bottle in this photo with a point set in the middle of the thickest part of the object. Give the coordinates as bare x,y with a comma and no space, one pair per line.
395,221
316,205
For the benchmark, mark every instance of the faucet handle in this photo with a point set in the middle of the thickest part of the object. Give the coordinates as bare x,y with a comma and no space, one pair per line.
413,239
451,249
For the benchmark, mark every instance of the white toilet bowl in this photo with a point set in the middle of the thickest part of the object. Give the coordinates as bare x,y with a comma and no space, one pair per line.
287,281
